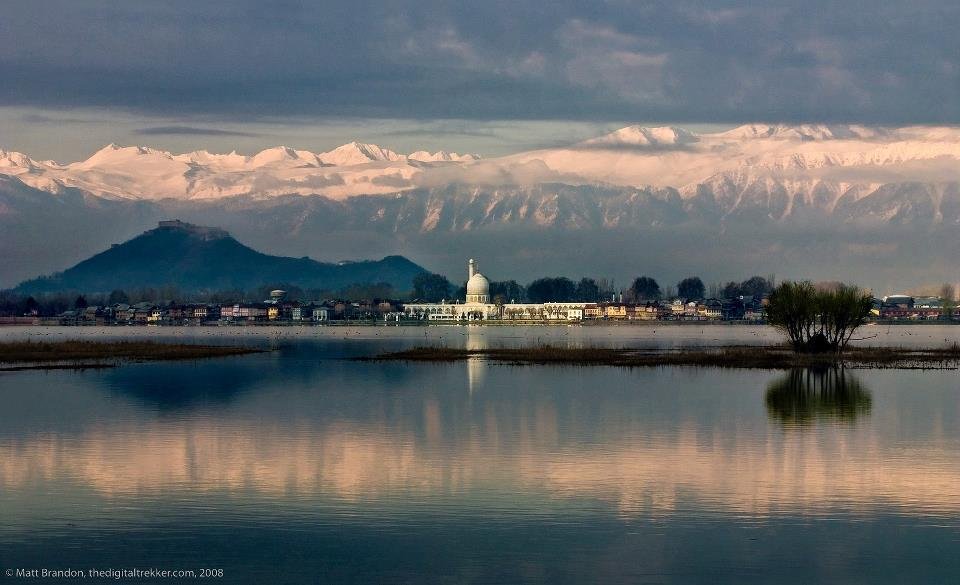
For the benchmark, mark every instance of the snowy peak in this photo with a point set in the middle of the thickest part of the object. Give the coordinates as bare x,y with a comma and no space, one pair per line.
643,136
16,161
283,155
358,153
441,156
804,132
205,158
112,154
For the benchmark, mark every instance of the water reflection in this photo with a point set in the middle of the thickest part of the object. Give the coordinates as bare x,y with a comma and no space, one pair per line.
390,472
636,476
804,396
647,443
476,365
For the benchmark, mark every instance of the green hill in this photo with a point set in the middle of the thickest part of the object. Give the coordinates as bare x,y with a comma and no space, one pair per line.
196,258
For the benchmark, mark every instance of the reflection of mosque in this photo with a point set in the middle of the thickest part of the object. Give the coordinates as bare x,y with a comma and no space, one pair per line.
478,306
476,365
804,395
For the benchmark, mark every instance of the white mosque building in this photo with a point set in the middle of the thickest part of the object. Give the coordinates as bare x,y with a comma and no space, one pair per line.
478,306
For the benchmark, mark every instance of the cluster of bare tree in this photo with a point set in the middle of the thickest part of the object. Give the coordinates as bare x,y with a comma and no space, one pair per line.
818,319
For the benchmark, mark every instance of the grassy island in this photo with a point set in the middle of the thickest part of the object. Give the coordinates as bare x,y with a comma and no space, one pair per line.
756,357
19,355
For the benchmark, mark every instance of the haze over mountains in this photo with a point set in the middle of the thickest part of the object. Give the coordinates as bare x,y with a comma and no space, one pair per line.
882,203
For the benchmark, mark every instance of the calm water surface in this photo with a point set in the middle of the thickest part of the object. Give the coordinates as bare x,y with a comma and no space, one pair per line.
299,466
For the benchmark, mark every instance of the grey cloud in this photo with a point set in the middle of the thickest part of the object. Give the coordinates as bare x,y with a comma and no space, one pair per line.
936,170
728,61
440,131
188,131
394,180
639,148
493,174
44,119
266,183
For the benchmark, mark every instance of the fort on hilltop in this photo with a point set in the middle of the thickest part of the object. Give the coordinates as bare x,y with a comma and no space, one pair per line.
204,232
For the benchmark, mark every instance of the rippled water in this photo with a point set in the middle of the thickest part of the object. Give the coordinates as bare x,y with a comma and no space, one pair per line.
300,466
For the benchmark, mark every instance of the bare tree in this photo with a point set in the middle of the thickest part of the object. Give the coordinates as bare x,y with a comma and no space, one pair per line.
818,319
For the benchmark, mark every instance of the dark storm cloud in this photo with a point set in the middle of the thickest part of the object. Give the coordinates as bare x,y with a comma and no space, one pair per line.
720,61
187,131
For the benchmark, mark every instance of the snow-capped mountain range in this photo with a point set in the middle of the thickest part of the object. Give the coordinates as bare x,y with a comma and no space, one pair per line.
877,198
139,172
799,159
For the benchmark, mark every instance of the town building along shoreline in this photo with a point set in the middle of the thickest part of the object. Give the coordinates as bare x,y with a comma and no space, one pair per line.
477,308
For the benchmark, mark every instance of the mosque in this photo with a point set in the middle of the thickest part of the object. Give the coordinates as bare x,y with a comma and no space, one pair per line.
478,306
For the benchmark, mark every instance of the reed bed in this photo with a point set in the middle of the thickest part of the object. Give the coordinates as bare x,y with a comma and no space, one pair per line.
93,353
747,357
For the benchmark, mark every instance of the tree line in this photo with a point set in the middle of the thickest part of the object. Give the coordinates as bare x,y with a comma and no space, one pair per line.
52,304
427,287
433,288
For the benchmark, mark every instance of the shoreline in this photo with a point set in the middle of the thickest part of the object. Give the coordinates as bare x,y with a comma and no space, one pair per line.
490,323
776,357
86,354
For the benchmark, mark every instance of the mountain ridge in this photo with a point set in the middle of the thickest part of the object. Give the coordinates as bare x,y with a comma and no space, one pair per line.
202,258
877,197
875,236
633,156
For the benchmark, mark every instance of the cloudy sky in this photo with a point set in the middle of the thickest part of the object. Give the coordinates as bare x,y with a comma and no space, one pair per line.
487,77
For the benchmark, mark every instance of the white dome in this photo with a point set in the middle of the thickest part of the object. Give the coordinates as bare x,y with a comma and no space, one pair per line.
478,285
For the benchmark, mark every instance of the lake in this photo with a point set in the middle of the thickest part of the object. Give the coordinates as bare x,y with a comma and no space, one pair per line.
300,466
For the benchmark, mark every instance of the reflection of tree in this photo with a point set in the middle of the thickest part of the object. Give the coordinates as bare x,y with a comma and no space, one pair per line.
804,395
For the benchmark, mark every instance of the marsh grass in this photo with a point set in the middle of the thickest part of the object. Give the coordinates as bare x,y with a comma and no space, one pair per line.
77,353
746,357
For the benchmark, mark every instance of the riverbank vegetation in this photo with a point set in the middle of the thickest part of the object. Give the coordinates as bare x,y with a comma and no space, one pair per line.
779,357
84,353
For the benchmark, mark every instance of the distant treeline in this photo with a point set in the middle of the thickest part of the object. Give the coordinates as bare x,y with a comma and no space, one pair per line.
52,304
435,287
427,288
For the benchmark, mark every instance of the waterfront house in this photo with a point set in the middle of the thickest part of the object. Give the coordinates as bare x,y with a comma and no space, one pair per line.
201,313
174,314
320,314
300,312
648,311
243,312
142,312
898,301
69,317
897,313
122,313
616,312
710,309
754,313
928,302
155,315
